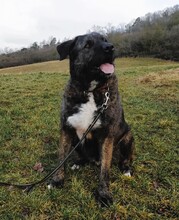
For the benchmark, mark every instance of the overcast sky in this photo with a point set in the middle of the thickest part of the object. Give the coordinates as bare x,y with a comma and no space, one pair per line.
24,21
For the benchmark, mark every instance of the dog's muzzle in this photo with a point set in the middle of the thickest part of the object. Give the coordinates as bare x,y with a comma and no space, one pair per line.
108,67
108,47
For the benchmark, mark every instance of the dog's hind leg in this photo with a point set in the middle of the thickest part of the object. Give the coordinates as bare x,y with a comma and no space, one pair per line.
65,146
126,152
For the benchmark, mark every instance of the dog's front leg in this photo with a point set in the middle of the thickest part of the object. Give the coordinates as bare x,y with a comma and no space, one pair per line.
65,146
103,195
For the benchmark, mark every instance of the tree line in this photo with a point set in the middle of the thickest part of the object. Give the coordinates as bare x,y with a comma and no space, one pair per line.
155,35
44,51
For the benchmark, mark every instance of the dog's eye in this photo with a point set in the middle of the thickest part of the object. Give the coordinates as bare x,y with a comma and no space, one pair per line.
104,39
89,44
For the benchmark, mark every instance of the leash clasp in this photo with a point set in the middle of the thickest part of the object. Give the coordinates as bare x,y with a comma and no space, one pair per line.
105,104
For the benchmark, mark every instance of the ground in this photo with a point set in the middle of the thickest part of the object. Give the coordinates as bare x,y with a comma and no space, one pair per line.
29,134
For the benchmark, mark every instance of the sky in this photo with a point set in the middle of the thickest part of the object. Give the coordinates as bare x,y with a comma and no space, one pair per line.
23,22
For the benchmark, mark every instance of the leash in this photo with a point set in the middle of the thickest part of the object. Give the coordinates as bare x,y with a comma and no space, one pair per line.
29,186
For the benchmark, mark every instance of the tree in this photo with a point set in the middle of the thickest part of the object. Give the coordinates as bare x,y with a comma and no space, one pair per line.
53,41
35,46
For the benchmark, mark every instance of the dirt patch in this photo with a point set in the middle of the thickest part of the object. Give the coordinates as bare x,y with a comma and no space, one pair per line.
160,79
5,103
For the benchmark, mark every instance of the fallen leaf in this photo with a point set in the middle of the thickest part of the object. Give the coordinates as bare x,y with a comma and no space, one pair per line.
38,167
156,185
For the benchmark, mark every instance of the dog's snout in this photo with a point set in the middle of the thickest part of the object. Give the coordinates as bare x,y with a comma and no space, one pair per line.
108,47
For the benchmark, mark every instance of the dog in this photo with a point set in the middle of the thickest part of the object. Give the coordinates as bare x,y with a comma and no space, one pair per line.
91,59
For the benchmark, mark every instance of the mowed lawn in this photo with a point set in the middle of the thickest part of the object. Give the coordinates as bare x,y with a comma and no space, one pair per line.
30,98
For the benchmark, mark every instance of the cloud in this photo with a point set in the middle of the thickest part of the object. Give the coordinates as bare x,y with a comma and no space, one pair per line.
24,21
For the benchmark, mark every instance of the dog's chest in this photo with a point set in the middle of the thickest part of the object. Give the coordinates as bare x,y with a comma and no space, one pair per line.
84,117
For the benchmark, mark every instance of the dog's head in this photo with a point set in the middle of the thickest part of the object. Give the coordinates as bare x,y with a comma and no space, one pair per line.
91,56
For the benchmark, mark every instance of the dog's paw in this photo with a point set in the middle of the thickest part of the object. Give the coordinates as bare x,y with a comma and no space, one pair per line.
55,184
49,186
75,167
104,197
127,173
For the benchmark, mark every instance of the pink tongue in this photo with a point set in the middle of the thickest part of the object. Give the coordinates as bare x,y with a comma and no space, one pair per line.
107,68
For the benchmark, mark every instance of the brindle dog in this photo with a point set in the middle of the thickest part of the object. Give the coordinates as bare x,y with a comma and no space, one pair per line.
91,76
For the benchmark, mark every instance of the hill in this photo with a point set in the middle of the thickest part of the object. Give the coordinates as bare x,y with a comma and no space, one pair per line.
154,35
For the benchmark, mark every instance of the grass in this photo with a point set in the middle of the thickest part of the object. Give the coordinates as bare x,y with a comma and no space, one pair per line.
29,133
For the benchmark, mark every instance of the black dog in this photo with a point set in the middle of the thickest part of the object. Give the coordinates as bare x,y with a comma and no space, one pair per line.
92,75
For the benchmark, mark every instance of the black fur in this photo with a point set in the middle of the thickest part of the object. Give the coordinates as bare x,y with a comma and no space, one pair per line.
86,54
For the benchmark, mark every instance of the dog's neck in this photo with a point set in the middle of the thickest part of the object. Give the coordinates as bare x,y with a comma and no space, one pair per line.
89,86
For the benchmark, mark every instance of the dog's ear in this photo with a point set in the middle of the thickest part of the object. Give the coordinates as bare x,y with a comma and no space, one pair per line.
64,49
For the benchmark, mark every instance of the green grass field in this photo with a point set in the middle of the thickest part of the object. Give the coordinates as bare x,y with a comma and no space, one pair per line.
30,97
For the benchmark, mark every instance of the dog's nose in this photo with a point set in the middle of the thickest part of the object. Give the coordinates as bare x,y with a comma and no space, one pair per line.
108,47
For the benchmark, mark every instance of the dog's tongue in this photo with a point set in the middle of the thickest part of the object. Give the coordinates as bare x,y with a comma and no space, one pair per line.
107,68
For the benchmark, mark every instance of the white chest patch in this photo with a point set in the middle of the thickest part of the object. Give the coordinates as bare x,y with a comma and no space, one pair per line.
81,120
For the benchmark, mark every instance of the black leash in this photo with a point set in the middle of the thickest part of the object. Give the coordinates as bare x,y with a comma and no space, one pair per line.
29,186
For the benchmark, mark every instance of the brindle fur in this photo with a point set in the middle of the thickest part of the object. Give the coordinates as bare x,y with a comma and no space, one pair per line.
114,132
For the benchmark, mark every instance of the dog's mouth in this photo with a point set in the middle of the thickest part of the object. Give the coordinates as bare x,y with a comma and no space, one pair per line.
107,68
